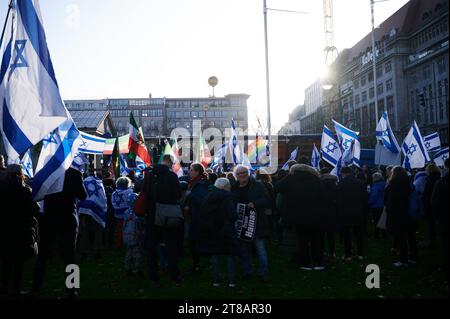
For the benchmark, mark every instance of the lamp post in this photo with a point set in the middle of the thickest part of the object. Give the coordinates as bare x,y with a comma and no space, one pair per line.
266,42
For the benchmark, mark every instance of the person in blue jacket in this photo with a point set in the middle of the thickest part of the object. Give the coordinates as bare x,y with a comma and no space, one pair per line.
376,202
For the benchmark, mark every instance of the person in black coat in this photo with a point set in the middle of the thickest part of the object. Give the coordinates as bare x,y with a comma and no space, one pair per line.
433,175
303,191
217,233
440,206
253,194
329,227
59,224
17,232
398,221
352,203
163,187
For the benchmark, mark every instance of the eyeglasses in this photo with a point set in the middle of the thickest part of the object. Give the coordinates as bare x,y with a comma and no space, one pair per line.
242,174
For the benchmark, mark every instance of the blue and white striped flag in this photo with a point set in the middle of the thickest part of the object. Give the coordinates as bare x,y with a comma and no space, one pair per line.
235,149
384,134
315,158
346,159
30,101
441,156
91,144
95,205
124,170
80,161
346,136
432,142
219,157
414,150
27,165
293,157
329,147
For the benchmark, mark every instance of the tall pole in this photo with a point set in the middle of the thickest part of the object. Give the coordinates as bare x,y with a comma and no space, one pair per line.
374,61
269,123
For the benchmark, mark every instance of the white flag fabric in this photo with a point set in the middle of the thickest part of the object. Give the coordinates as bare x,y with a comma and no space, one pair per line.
432,142
233,144
414,150
27,165
91,144
80,161
384,134
95,205
441,156
219,156
346,136
331,151
293,157
315,158
124,170
345,160
30,101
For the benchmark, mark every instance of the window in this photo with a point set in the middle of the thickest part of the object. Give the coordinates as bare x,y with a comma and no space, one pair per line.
380,89
194,114
418,112
441,104
187,114
363,81
426,72
365,120
218,114
379,72
380,107
370,76
389,85
390,108
387,67
179,115
425,109
431,104
201,114
357,99
356,83
371,117
364,96
441,65
371,93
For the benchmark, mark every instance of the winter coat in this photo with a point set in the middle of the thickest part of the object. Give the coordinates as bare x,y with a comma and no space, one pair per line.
258,196
329,201
217,232
397,205
426,196
439,202
303,191
352,202
376,195
194,201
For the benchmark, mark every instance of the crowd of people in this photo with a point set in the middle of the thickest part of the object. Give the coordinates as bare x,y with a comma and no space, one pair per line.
150,219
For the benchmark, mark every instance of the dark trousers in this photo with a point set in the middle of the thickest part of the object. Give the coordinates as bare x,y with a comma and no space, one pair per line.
431,231
194,252
51,232
309,247
357,233
330,241
90,234
407,245
14,267
444,241
376,214
171,238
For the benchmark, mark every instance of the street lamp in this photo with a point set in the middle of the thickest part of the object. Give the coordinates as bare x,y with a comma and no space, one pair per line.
266,41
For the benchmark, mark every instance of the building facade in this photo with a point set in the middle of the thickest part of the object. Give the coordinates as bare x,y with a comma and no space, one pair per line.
159,116
293,124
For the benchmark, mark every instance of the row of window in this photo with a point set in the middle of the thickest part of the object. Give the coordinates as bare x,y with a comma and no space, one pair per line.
203,103
429,34
362,98
435,107
369,78
208,114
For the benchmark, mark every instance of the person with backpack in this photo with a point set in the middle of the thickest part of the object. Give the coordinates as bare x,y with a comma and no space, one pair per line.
133,237
217,233
398,220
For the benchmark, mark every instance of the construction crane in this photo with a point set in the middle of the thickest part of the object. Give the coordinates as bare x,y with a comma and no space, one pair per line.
331,52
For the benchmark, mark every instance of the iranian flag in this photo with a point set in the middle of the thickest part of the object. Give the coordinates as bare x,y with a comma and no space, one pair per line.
136,143
202,154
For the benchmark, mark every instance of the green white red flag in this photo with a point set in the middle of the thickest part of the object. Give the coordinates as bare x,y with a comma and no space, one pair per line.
136,143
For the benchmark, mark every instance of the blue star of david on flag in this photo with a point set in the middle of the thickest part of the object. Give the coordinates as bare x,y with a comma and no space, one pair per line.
92,188
118,198
50,138
412,149
331,147
19,60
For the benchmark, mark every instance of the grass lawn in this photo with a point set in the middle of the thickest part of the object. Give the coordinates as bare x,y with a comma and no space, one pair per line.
106,279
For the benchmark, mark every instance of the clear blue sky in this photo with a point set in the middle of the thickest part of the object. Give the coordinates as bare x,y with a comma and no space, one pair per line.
129,48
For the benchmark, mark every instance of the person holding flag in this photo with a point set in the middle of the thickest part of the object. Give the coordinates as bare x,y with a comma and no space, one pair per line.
346,137
233,145
329,147
315,158
291,161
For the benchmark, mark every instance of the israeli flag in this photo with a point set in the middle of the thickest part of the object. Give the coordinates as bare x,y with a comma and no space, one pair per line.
235,149
59,149
27,165
315,158
432,142
124,170
384,134
329,147
91,144
414,150
346,136
441,156
95,205
140,164
219,157
80,161
346,159
293,157
30,102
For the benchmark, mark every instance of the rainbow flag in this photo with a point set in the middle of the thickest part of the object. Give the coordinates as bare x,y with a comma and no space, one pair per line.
256,150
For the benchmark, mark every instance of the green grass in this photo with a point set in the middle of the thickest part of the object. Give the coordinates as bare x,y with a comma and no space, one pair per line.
340,280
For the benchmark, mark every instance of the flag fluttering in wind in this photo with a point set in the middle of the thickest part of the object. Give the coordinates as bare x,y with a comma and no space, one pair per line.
202,154
123,145
91,144
27,165
219,158
414,150
80,161
315,158
441,156
115,160
293,157
345,160
95,205
384,134
257,150
233,144
176,167
331,151
432,142
30,101
136,143
346,136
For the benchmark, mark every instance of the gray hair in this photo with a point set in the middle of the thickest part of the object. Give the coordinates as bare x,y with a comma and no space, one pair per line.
123,182
377,177
240,168
223,184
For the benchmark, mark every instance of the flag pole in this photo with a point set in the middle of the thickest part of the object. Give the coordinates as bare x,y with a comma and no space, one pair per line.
6,21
